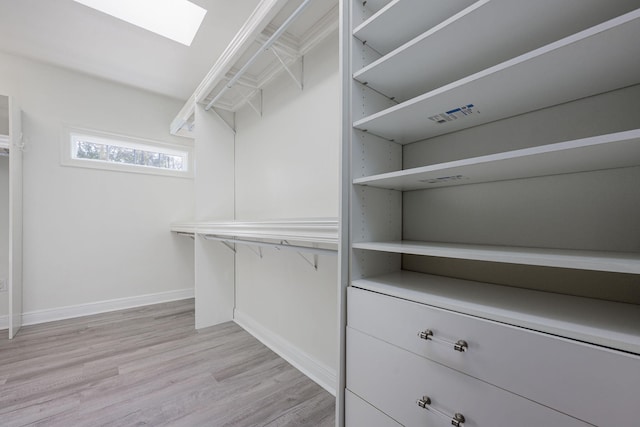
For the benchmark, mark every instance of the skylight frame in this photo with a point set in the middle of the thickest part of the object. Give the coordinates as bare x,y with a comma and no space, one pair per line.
177,20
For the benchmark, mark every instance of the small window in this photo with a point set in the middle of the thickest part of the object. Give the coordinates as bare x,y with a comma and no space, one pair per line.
98,150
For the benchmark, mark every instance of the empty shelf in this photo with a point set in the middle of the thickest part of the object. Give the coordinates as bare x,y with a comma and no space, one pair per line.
597,60
480,36
576,259
596,153
402,20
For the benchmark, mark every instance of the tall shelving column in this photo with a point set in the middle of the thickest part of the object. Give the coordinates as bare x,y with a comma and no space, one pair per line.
215,200
497,142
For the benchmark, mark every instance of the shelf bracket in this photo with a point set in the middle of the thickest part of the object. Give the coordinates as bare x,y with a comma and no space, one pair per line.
229,245
182,233
227,242
297,73
255,106
313,263
278,246
229,123
257,251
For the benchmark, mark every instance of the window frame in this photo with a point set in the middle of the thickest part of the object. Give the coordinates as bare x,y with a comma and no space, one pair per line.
72,134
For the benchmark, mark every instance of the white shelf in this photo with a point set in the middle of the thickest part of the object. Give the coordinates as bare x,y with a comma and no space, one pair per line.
610,324
312,230
480,36
402,20
589,154
597,60
618,262
184,227
315,23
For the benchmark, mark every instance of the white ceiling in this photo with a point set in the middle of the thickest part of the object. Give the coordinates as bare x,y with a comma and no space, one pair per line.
68,34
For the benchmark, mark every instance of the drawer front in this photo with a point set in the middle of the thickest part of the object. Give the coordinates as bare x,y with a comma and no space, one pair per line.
591,383
359,413
394,380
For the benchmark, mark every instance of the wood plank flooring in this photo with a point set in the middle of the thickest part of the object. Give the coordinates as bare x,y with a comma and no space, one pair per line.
149,366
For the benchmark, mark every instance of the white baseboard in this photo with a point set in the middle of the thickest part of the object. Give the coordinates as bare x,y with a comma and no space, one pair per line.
61,313
324,376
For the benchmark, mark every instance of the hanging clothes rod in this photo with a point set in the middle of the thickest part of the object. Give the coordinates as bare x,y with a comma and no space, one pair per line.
275,36
283,245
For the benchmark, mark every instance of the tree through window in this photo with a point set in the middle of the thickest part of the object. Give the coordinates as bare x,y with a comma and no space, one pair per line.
97,148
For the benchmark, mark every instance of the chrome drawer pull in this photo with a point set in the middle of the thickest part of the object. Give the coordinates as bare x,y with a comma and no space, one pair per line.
457,420
460,345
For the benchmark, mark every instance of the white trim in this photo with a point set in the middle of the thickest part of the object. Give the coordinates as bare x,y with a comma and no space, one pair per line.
61,313
320,373
4,141
4,322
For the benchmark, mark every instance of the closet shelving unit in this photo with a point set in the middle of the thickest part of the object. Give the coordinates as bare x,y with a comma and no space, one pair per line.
273,41
414,85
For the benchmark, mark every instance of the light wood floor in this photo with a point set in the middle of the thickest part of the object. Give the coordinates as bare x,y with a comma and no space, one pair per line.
148,366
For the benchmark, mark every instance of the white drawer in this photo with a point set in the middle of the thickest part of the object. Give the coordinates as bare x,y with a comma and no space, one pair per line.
358,413
393,380
595,384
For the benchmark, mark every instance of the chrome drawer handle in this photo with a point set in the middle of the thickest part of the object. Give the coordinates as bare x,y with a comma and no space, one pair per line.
460,345
457,419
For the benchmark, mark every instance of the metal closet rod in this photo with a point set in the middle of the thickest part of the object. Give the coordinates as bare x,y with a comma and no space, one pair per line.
285,246
275,36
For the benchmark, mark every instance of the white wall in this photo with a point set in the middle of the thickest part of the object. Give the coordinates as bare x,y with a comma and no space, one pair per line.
4,231
93,235
287,167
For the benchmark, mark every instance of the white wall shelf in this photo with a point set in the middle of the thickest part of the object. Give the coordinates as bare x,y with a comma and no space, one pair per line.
606,323
476,38
610,151
617,262
402,20
230,91
315,230
596,60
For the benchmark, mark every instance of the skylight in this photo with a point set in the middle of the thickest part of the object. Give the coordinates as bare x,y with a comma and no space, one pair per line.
177,20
